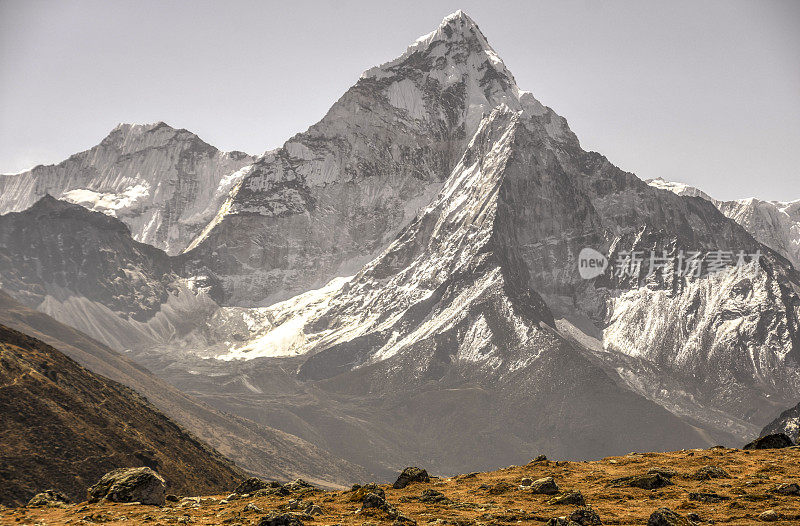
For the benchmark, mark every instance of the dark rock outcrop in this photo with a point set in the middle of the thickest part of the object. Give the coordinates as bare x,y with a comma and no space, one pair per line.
410,475
129,485
585,517
544,486
772,441
574,498
648,481
707,497
254,484
281,519
667,517
48,497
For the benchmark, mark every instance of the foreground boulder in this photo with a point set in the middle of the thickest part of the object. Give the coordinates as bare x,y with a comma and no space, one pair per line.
773,441
129,485
544,486
409,475
280,519
585,517
787,489
359,491
48,497
574,498
667,517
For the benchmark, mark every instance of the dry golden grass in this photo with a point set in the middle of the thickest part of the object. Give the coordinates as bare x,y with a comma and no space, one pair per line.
496,497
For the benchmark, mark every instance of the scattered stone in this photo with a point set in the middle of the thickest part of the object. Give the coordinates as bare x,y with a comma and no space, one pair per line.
171,498
544,486
667,517
710,472
298,485
649,481
694,517
525,482
48,498
409,475
560,521
361,491
585,517
283,519
540,458
129,485
254,484
774,441
574,498
432,496
251,508
372,500
769,516
707,497
664,472
787,489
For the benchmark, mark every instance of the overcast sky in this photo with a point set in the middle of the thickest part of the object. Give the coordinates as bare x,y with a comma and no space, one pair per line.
706,93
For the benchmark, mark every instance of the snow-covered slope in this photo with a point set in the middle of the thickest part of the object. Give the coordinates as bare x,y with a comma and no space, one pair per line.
773,223
787,422
165,184
334,196
446,312
459,205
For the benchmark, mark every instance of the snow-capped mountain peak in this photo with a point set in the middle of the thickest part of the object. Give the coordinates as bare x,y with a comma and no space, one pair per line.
457,55
165,183
776,224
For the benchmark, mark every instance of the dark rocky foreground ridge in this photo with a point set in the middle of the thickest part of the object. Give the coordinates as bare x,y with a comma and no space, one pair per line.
259,449
683,488
64,427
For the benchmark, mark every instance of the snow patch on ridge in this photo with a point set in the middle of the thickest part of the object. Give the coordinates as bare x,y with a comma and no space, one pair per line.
109,203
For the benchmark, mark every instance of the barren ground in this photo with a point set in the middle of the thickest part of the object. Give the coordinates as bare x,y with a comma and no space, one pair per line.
483,498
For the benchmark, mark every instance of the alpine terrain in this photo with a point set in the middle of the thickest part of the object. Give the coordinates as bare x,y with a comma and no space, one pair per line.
165,184
404,282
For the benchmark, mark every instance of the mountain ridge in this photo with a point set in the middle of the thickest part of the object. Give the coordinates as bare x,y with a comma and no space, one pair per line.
58,414
164,183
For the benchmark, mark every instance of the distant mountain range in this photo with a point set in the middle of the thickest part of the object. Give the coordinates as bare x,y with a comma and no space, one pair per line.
400,283
776,224
165,184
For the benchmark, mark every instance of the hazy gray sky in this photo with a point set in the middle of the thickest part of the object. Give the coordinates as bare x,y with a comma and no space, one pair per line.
706,93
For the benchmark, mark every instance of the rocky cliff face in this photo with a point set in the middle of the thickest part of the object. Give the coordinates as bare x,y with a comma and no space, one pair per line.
164,183
334,196
56,250
776,224
64,427
787,422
